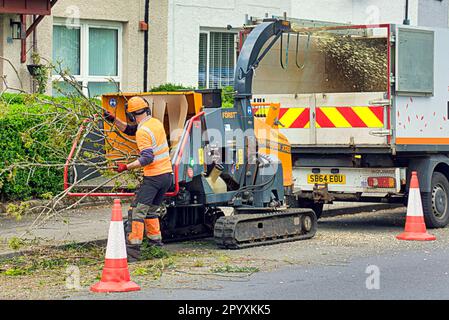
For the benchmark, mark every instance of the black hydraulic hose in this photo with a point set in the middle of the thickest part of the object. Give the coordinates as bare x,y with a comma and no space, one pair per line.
261,187
306,54
265,185
146,46
286,52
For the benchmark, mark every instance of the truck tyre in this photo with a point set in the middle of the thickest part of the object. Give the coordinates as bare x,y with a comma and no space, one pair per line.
316,207
436,202
306,204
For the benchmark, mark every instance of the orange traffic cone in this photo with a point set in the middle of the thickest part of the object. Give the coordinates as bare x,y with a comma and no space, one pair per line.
115,276
415,227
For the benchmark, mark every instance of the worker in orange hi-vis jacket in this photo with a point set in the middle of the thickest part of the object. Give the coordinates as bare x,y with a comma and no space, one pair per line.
158,174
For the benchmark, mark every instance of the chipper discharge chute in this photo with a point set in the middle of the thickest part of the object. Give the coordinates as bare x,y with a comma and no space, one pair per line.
222,157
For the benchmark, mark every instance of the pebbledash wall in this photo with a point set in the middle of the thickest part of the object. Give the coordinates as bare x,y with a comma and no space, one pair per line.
191,41
124,16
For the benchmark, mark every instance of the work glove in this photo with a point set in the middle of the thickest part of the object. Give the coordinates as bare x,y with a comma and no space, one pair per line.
109,117
121,167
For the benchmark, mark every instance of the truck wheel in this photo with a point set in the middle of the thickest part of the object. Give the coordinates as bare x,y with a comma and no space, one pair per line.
436,203
306,204
316,207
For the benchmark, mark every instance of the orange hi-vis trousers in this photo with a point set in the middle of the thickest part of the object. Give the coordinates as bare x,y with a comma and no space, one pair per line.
137,231
145,214
150,227
153,229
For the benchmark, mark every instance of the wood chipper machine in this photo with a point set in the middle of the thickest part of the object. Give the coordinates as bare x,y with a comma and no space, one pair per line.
222,157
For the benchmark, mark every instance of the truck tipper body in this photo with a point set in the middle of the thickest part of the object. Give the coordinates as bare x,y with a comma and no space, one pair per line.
363,107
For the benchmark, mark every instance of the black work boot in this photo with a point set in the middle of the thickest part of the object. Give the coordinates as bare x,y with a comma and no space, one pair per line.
156,243
133,252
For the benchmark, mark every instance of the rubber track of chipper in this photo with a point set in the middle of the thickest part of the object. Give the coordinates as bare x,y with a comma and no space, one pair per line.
251,230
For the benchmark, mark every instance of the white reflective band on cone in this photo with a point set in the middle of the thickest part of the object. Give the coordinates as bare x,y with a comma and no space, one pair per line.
414,206
116,248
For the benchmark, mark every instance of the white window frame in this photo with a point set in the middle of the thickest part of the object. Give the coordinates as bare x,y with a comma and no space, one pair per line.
84,25
207,31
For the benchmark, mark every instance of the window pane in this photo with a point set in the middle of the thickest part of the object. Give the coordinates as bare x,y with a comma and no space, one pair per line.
103,52
221,59
416,62
202,69
66,49
96,89
64,89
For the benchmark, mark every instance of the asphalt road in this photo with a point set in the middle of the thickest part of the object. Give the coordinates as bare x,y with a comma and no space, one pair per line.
410,275
332,265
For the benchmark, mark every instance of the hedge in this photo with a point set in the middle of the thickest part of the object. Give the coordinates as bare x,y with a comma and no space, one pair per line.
20,144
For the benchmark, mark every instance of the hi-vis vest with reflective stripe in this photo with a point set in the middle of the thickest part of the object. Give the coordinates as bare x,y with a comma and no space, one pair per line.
151,135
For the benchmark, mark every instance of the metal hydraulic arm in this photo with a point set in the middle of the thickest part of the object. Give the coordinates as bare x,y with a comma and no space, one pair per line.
259,226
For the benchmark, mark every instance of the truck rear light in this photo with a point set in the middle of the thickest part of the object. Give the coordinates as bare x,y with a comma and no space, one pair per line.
381,182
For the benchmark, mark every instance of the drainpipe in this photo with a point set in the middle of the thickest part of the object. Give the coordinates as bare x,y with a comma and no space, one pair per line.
145,46
34,35
23,51
406,20
34,48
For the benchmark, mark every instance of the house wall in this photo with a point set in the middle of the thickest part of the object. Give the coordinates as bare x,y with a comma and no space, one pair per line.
384,11
158,48
17,77
175,26
355,11
128,13
187,17
325,10
433,13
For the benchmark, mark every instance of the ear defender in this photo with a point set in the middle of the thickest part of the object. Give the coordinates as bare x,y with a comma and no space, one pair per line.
129,115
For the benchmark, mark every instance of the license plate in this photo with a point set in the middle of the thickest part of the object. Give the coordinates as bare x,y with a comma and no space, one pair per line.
326,179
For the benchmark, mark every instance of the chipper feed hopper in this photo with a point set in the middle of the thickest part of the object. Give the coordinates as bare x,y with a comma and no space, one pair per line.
222,157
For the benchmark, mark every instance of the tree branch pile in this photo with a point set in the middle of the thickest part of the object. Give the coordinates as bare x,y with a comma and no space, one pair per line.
41,132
